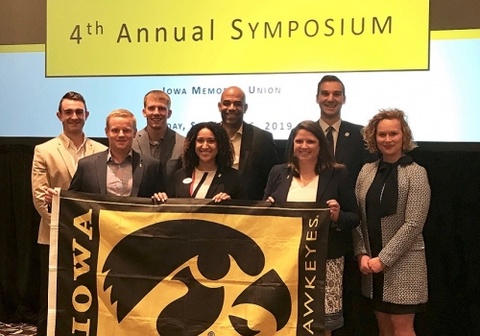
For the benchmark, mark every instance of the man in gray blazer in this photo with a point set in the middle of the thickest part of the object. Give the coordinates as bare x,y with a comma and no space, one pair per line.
119,171
157,139
54,164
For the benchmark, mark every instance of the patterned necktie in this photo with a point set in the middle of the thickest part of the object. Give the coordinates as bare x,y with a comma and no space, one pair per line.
330,142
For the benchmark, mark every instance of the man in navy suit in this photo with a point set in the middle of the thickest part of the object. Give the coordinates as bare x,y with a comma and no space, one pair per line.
255,150
349,149
119,170
348,144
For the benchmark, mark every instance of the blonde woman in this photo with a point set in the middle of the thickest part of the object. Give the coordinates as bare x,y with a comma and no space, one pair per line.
393,194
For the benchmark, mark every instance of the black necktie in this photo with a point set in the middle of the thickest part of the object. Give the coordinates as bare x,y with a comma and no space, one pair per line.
329,137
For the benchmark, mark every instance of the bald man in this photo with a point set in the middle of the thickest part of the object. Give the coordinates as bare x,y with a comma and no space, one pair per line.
255,150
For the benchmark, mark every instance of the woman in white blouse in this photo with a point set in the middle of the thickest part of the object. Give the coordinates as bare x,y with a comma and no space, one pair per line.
312,175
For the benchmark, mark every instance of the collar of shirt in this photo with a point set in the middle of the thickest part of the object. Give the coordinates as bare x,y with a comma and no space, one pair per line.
69,143
237,143
156,142
76,152
335,126
239,131
111,160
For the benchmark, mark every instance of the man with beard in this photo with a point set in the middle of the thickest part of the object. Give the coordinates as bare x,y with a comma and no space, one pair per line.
255,150
157,139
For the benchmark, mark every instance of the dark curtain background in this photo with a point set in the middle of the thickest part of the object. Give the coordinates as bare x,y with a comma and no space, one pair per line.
19,260
452,236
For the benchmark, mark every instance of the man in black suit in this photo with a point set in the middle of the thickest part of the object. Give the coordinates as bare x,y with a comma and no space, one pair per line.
119,170
347,140
349,149
347,145
255,150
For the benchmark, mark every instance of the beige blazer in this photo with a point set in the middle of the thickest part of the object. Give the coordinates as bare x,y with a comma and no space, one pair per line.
52,167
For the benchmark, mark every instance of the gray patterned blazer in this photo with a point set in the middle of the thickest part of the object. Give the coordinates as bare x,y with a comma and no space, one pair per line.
403,252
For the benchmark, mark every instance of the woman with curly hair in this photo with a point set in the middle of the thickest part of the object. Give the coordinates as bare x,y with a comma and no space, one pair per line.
207,165
393,194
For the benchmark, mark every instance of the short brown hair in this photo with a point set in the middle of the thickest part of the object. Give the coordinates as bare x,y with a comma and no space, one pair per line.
157,95
330,78
72,95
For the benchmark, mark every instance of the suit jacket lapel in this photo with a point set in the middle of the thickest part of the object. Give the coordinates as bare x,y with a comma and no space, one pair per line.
217,181
89,150
245,147
67,158
342,142
167,145
323,183
101,171
138,168
183,189
143,142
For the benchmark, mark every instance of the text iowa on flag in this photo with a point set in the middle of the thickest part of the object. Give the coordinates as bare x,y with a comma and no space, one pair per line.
124,266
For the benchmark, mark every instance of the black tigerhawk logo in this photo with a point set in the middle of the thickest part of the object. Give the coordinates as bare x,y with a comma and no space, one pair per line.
151,257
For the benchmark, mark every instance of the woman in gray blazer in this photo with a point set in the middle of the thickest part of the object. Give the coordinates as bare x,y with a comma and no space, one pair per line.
393,196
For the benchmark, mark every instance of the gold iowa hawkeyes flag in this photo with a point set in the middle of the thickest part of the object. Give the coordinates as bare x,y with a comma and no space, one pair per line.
126,267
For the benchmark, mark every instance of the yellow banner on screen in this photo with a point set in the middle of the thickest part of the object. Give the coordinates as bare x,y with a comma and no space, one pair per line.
106,38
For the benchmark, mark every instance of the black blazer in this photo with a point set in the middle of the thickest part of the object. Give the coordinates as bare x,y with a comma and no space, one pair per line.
350,149
332,184
91,175
258,154
227,182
